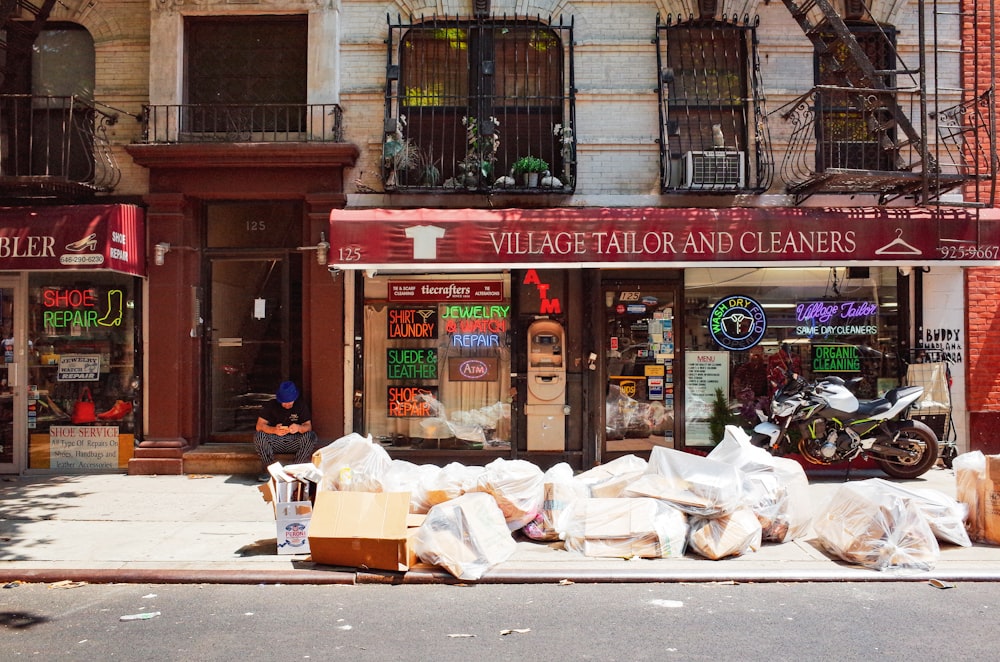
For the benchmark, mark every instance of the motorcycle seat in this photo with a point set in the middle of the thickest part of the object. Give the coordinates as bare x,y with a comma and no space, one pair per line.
870,408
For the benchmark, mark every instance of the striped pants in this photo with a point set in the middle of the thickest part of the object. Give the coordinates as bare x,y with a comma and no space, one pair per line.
302,444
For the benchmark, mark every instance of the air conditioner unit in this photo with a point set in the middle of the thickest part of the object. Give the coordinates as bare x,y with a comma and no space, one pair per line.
715,170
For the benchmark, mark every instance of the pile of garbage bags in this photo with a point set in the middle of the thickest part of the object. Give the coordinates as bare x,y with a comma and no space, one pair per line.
725,504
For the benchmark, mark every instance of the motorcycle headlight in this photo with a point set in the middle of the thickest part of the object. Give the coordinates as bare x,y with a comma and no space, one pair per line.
782,408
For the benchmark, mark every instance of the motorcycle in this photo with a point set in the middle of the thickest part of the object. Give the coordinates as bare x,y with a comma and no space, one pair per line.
834,426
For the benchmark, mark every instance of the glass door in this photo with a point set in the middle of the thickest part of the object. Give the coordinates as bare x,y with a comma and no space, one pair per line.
254,342
11,379
639,366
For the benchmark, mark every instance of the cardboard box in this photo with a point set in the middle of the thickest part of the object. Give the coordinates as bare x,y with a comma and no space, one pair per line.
292,522
979,489
363,530
616,527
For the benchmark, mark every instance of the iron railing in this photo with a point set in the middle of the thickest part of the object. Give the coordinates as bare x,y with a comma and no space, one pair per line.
714,135
856,148
469,100
48,141
241,123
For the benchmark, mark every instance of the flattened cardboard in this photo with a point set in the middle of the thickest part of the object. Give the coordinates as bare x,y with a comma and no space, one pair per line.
362,530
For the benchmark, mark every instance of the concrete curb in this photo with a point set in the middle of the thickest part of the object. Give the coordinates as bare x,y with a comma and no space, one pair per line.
172,576
497,576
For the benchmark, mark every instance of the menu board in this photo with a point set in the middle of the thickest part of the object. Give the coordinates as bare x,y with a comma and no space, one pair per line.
704,372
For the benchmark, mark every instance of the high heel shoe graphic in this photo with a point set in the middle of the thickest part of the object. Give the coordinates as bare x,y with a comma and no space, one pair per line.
89,242
113,315
120,410
54,408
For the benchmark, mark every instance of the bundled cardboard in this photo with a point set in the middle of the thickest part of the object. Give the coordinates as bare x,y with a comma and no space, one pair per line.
865,523
466,536
363,530
734,534
518,488
775,488
559,490
695,484
945,516
611,479
625,528
977,479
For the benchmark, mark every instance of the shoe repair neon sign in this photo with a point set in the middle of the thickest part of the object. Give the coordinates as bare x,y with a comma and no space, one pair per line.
80,308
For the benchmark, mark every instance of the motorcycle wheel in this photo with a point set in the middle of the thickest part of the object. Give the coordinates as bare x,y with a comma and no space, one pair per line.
916,431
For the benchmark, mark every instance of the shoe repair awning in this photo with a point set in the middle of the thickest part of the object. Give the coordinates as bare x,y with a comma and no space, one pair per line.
82,237
489,239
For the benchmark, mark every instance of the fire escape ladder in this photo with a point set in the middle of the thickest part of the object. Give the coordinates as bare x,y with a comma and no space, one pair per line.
20,22
868,82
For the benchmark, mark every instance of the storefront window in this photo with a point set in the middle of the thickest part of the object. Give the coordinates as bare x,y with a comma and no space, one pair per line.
83,384
437,361
747,328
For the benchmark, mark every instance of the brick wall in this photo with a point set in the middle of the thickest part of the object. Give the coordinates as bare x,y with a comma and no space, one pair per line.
983,368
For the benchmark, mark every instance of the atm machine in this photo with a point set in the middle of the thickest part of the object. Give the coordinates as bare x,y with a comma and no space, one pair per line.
546,406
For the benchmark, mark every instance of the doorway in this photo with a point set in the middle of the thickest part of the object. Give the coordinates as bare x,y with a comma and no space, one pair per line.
639,365
12,391
254,338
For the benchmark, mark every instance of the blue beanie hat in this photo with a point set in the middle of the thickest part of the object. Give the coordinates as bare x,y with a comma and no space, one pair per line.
287,392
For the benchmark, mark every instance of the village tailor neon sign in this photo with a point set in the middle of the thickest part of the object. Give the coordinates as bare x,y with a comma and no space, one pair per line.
836,318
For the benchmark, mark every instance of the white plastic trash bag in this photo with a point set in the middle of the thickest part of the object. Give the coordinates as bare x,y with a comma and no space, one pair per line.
775,488
466,536
734,534
945,516
610,479
558,491
404,476
518,488
624,528
975,489
353,463
866,524
695,484
454,480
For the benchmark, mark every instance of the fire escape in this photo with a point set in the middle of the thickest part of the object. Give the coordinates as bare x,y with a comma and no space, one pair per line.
53,148
871,127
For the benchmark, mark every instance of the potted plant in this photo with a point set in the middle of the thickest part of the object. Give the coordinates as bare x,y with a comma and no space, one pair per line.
530,167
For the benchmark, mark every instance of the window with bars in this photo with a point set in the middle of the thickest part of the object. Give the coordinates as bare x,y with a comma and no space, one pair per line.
852,130
469,101
713,126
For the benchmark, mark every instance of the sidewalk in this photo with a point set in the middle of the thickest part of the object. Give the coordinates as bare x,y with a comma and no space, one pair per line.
217,529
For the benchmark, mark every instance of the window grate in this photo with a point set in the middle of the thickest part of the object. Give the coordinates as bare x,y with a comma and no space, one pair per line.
467,99
713,129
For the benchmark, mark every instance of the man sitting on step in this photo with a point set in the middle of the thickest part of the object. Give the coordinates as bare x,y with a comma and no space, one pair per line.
284,426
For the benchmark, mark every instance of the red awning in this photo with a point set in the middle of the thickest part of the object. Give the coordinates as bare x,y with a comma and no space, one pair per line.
81,237
454,239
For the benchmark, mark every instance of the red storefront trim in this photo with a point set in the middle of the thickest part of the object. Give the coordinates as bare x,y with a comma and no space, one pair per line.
77,237
652,236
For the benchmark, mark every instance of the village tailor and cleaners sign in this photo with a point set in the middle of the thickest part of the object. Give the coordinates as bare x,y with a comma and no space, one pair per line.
370,238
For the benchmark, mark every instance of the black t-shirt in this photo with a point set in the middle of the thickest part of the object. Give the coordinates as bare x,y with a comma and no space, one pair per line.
275,414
